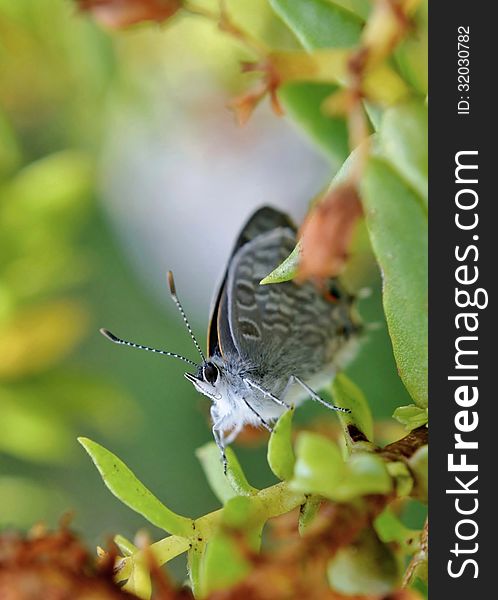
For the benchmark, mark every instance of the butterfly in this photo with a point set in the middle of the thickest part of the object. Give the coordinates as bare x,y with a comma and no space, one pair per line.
269,346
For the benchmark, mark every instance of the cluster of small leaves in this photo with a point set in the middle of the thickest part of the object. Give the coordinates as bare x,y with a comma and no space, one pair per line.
342,496
359,83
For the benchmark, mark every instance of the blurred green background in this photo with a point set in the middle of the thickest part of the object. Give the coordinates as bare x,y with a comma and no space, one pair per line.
118,161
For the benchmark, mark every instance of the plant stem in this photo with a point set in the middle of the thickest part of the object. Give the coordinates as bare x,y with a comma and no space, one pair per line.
270,502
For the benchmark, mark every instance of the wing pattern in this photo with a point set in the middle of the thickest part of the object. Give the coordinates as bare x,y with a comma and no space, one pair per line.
280,324
263,220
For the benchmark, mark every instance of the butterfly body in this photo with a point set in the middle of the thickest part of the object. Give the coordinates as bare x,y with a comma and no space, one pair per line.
269,346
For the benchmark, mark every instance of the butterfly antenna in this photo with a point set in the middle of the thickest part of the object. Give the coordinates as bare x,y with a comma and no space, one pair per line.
113,338
172,289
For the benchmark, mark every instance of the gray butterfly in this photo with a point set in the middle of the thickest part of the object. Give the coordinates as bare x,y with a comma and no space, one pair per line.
269,346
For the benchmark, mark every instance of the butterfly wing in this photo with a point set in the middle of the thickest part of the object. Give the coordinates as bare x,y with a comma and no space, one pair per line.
285,327
219,335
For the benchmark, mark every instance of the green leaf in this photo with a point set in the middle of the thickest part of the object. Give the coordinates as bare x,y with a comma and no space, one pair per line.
411,416
402,477
195,557
168,548
320,470
280,451
126,547
276,500
419,464
236,476
302,101
286,270
223,565
397,226
319,466
245,514
357,425
366,474
374,113
209,457
358,7
308,512
319,23
403,137
237,512
389,528
367,567
234,483
126,487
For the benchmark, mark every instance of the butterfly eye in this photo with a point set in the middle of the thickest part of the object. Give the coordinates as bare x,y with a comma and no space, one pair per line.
210,372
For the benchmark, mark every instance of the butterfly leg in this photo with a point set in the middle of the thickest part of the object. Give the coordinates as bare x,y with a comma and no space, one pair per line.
317,398
260,418
220,442
219,438
267,393
233,434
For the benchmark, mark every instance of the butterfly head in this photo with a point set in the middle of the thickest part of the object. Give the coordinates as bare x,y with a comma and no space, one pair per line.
208,380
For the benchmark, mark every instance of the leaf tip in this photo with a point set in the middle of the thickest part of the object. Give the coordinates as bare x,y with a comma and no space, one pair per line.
83,441
89,446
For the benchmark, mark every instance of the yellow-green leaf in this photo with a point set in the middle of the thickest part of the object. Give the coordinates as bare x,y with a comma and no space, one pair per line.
286,270
319,23
302,101
234,483
223,565
308,512
397,226
321,470
209,457
280,451
123,483
389,528
411,416
319,465
403,137
358,424
419,465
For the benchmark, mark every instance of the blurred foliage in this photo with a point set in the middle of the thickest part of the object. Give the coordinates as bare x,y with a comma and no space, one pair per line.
353,76
46,201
